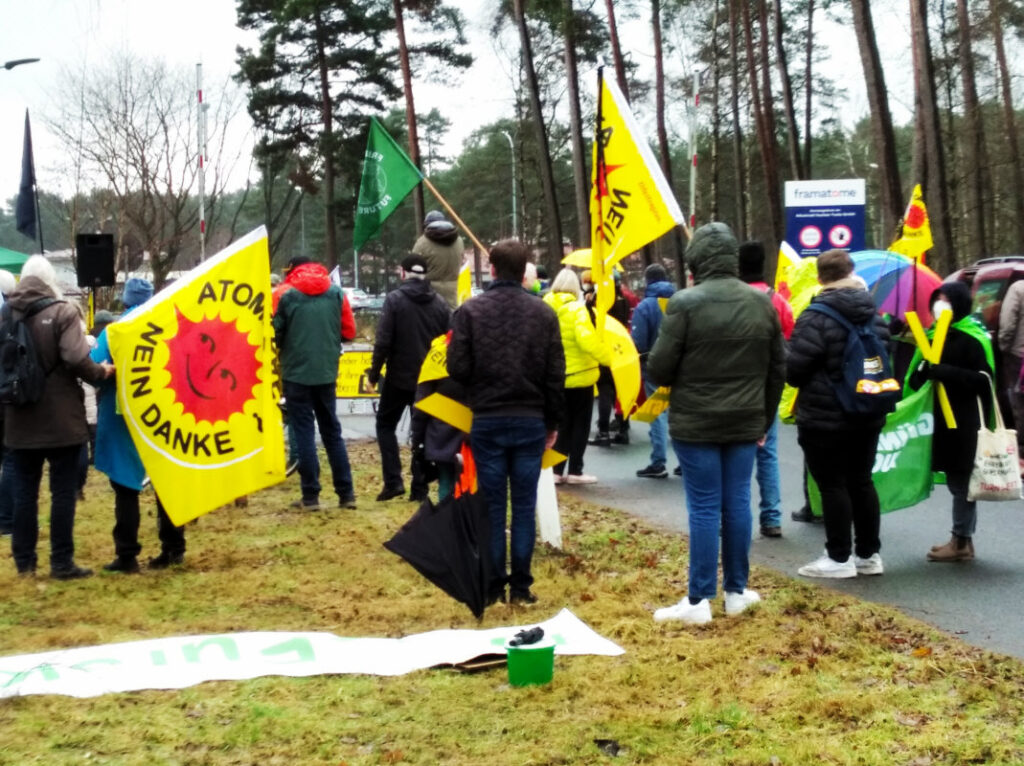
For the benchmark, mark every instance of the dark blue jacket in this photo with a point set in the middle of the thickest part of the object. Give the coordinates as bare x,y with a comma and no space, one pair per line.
647,316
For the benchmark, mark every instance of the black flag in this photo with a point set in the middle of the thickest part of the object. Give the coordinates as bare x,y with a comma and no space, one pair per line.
25,210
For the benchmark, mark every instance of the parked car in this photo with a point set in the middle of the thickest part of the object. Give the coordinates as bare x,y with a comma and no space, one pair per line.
989,280
359,300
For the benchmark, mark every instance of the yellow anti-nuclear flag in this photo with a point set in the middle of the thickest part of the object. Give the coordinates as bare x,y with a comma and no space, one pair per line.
916,237
631,202
195,382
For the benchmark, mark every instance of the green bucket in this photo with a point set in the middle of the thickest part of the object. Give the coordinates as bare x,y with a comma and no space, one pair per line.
533,664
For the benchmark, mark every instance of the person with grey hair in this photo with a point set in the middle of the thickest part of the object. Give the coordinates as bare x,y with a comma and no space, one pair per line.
584,352
52,429
7,284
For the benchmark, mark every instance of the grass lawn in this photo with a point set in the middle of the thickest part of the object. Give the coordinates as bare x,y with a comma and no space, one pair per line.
809,676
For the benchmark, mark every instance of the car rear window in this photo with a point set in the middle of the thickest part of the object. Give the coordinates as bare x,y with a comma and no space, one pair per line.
988,292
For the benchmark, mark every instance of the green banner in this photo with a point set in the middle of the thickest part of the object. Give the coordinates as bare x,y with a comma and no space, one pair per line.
388,176
903,460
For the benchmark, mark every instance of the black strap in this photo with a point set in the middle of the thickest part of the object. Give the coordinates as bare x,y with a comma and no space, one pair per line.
828,311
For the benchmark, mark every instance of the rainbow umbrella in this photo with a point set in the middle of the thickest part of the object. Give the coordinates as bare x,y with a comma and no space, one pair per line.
897,283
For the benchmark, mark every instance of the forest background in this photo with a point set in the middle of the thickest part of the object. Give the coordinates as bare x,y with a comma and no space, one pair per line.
774,105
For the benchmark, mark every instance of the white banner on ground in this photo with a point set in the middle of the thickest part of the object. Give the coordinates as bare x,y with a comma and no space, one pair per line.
175,663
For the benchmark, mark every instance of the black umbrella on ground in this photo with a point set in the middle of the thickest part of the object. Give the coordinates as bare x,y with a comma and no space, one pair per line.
449,545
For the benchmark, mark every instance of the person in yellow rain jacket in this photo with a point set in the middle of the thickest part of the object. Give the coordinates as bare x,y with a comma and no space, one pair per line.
584,354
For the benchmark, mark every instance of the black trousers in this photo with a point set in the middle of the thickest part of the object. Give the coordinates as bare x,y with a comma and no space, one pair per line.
393,402
574,429
126,525
841,462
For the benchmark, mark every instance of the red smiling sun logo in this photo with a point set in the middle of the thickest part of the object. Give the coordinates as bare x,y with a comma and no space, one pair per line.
213,368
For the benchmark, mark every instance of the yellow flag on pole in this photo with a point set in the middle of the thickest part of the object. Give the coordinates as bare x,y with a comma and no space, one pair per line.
464,286
195,382
631,202
916,238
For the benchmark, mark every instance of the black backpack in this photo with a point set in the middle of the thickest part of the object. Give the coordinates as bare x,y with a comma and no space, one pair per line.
867,386
22,376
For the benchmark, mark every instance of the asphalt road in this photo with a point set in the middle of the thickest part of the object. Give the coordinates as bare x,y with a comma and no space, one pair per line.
977,601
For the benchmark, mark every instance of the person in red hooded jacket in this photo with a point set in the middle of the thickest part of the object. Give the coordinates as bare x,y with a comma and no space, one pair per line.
311,319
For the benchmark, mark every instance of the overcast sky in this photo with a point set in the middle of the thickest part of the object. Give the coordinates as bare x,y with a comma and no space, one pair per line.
72,33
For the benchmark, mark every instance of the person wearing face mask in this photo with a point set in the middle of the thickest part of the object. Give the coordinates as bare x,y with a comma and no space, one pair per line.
965,362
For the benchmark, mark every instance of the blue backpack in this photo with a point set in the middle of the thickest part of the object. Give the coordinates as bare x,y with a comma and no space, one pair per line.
867,386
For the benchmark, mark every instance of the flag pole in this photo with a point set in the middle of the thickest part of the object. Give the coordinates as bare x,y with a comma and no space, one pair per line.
39,217
452,213
600,177
355,268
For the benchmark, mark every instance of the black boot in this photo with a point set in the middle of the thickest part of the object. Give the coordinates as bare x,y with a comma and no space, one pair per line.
166,559
123,564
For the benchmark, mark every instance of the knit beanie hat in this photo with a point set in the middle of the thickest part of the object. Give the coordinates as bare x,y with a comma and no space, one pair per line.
136,292
655,273
751,258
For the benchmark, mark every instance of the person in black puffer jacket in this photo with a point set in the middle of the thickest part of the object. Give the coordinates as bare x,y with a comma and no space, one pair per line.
506,348
839,448
413,316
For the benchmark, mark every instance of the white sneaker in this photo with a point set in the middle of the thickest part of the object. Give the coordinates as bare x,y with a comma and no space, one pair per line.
692,614
872,565
735,603
580,478
826,567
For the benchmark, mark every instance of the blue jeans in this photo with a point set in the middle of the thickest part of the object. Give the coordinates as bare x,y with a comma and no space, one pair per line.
507,451
7,491
768,477
717,482
306,405
28,473
658,431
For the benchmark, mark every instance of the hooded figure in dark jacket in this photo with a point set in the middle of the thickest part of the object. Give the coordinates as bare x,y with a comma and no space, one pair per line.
839,447
442,248
720,349
413,316
962,369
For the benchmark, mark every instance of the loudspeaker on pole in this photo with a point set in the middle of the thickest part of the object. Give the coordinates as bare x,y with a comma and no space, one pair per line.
95,254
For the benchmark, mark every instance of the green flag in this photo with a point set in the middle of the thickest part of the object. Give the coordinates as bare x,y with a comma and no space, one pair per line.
388,176
902,473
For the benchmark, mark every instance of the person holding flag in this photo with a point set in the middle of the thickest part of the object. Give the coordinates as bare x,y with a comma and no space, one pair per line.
117,457
965,369
441,247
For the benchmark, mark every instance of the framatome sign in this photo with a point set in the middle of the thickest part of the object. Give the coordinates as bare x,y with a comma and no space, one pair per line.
824,215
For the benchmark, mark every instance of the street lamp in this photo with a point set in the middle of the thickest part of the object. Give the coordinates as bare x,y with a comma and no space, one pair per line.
18,62
512,150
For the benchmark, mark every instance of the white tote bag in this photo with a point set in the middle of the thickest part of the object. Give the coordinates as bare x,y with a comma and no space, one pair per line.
548,517
996,473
